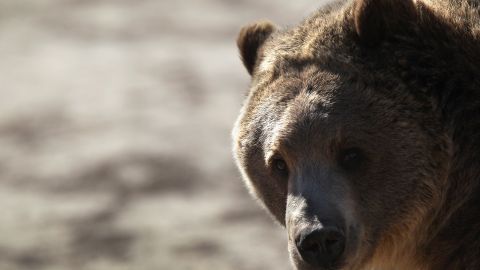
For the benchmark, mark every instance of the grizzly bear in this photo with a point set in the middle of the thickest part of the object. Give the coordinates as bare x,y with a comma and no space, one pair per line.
361,133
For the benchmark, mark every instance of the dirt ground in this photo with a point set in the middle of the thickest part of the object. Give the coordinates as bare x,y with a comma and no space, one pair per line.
115,136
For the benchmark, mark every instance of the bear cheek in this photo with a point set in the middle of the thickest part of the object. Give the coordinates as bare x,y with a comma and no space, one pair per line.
274,199
271,192
260,183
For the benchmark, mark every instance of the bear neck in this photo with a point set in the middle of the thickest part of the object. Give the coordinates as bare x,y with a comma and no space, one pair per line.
444,63
455,228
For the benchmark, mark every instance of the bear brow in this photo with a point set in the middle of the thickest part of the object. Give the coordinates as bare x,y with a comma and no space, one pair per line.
298,133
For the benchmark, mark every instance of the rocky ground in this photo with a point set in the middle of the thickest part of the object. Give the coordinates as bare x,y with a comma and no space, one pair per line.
115,136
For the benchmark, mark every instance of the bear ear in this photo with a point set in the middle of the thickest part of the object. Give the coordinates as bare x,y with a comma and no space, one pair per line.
375,19
249,41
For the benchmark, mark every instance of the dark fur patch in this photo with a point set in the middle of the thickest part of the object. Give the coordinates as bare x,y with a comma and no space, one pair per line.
249,41
374,19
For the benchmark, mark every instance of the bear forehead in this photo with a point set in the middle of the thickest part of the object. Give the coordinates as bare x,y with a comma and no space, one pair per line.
317,108
319,114
317,39
304,122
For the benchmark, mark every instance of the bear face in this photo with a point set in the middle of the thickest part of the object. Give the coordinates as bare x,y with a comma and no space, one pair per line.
341,140
321,150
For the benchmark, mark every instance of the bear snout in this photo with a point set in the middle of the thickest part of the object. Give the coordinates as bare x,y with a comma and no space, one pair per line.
321,247
318,238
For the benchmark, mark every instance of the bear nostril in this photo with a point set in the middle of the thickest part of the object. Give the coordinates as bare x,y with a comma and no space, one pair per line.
311,246
321,247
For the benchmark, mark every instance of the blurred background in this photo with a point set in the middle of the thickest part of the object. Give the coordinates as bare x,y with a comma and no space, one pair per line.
115,135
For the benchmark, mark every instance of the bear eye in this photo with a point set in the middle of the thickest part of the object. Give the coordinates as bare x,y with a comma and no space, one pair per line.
351,159
280,166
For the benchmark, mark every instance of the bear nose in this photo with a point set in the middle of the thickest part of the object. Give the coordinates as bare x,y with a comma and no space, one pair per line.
321,247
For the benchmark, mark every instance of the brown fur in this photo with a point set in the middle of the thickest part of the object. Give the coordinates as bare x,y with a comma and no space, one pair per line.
397,79
374,18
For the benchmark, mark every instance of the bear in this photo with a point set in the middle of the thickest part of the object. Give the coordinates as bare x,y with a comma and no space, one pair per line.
360,133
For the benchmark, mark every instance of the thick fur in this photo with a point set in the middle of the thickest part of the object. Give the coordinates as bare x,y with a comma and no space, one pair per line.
398,79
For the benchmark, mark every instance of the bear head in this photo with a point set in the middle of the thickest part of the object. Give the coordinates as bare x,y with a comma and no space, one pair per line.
342,136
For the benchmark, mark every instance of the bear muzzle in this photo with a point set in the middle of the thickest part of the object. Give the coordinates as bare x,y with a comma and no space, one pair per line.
317,235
